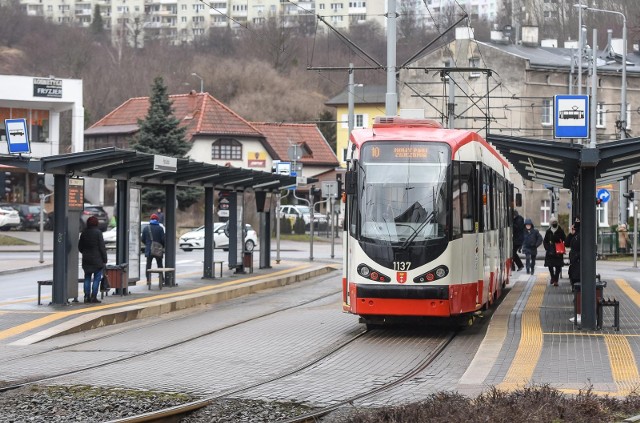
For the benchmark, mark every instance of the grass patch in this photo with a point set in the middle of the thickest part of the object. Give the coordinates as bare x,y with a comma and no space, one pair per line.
10,240
530,404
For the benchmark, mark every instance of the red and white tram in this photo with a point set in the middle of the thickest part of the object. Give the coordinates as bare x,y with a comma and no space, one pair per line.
428,214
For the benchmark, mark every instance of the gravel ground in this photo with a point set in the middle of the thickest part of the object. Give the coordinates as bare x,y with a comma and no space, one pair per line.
50,404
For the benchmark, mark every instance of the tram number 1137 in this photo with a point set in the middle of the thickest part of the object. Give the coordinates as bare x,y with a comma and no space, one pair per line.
401,265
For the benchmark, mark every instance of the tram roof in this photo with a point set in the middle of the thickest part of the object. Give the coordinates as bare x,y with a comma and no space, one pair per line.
137,167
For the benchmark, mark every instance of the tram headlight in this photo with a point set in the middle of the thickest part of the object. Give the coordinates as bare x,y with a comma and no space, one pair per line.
364,271
432,275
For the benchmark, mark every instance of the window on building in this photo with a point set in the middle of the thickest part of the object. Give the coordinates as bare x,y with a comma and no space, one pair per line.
602,214
628,117
359,121
545,212
547,112
474,62
601,115
226,149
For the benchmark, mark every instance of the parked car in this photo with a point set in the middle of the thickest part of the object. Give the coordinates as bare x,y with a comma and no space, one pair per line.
110,238
89,210
29,215
9,218
194,240
294,212
97,211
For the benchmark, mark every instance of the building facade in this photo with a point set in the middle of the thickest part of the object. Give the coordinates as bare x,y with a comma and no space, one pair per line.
512,93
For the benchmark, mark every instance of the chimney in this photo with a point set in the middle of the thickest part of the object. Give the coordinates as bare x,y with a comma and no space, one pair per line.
530,36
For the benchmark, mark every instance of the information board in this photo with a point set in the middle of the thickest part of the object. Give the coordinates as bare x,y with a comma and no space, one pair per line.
75,194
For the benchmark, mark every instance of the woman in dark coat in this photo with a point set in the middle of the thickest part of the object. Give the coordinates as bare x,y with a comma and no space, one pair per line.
94,258
573,242
553,260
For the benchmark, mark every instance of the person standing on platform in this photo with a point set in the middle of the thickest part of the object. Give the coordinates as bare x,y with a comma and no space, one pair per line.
518,238
573,242
153,233
160,215
554,246
531,241
94,258
623,238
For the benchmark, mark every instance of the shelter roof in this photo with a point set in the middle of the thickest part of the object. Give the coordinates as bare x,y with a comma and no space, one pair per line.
137,167
558,163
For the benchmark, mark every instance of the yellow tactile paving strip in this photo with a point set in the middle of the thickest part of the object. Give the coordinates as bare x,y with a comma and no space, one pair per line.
34,324
531,340
624,368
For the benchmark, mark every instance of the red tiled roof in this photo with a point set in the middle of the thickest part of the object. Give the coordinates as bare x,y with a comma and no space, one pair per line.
281,135
201,113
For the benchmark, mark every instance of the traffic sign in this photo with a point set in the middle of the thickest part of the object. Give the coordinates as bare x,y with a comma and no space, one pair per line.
17,136
571,118
603,195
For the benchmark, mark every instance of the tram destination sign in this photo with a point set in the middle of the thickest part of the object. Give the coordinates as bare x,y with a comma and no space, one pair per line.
47,87
403,152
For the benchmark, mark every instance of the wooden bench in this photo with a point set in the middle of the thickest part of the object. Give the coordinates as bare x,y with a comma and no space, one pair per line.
162,271
216,262
40,283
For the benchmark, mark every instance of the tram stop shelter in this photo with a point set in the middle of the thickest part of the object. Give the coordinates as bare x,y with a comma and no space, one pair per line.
132,170
579,169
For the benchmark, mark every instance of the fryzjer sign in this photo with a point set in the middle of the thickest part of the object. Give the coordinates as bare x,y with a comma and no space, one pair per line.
47,87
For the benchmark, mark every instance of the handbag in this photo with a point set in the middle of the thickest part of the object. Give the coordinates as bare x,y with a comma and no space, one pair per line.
560,248
157,250
104,283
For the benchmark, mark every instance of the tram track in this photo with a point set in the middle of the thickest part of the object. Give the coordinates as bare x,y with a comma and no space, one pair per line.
198,336
173,413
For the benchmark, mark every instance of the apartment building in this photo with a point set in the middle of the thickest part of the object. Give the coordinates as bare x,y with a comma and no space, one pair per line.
181,21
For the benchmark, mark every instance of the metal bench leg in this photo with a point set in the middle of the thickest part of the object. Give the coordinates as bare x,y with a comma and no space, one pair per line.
161,279
39,291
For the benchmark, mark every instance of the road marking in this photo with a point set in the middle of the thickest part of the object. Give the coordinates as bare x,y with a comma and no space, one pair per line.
531,340
16,330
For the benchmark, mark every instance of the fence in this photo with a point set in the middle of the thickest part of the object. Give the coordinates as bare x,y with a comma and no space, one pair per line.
608,244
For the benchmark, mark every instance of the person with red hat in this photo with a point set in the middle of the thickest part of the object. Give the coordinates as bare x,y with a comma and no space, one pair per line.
94,259
153,233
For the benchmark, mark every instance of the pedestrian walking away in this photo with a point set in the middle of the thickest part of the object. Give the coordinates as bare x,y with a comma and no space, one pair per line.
573,242
153,233
518,238
530,243
160,215
94,259
554,248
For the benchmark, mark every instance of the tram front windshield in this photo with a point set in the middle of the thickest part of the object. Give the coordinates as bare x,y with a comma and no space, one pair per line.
403,191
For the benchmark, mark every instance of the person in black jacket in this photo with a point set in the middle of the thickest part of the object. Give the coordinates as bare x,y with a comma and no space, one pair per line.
518,238
153,232
532,240
573,242
94,258
553,260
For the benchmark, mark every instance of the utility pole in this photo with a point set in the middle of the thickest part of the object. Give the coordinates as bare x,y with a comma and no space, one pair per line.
391,99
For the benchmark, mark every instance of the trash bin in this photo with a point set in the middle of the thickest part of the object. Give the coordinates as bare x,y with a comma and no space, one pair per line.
247,261
118,277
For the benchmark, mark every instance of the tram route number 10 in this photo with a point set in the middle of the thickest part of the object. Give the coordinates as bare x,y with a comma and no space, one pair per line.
401,265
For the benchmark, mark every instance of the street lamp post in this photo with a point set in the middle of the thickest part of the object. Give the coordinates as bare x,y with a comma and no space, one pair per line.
201,81
622,206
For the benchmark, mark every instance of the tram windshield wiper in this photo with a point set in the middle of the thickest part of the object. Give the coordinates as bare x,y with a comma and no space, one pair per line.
415,233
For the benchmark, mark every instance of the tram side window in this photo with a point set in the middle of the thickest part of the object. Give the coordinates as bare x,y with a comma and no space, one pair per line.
456,211
468,196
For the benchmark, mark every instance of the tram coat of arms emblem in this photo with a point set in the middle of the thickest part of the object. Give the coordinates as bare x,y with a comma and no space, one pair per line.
401,277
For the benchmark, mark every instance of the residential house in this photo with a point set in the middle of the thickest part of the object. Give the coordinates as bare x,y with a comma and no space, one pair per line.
369,102
218,135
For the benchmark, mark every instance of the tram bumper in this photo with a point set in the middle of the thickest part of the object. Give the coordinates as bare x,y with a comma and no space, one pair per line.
400,300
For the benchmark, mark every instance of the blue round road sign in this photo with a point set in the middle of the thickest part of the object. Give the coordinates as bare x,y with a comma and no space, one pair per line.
603,195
